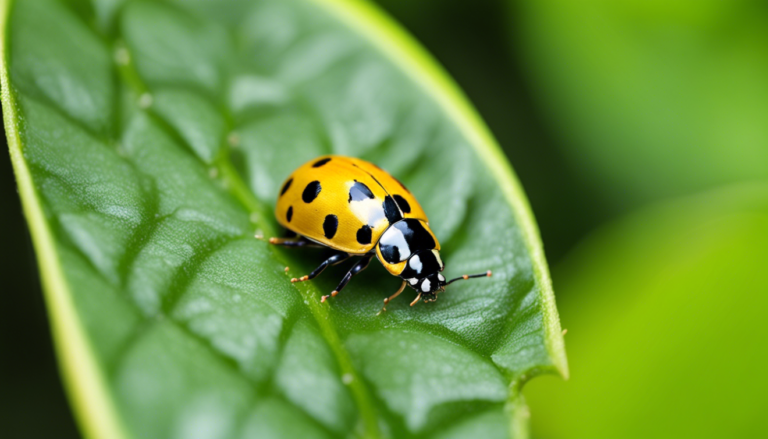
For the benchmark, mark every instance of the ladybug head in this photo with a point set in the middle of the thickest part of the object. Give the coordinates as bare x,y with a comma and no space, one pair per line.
430,286
423,274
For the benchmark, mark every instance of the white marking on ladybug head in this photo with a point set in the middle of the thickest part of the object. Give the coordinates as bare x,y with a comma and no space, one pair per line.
413,281
415,263
425,285
441,277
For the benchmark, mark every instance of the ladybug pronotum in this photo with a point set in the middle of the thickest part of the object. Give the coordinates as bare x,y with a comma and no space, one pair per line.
358,209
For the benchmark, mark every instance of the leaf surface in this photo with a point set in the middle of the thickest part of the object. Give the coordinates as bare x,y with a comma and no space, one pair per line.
149,140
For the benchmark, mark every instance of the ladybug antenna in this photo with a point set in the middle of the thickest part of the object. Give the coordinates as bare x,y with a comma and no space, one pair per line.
469,276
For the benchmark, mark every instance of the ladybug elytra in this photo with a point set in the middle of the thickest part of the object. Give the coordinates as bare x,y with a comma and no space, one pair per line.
358,209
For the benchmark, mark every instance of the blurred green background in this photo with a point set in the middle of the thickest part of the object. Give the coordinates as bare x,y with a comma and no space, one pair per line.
639,130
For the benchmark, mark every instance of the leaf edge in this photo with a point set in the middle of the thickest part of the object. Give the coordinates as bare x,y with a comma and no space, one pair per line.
86,388
82,378
403,50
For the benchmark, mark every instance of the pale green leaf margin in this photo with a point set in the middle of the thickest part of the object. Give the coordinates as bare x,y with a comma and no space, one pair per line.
83,379
414,61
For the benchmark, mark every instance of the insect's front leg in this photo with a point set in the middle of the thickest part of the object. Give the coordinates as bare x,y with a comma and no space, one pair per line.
333,260
357,268
299,241
389,299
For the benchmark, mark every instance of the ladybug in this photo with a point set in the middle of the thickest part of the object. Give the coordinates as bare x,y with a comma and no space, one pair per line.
358,209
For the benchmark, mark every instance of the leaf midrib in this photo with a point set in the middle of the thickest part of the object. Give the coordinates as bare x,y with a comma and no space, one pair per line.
415,62
307,290
310,292
453,107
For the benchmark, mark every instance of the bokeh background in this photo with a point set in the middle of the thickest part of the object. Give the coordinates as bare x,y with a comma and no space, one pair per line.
639,130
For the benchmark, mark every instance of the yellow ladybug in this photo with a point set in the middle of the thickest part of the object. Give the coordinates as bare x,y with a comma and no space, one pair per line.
357,208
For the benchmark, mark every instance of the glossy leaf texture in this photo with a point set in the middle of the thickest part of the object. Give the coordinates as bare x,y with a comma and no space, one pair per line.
149,141
665,311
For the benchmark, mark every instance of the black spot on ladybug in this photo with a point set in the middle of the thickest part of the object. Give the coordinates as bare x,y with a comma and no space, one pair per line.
364,235
391,210
359,192
321,162
286,186
404,206
417,236
289,214
393,255
311,192
330,225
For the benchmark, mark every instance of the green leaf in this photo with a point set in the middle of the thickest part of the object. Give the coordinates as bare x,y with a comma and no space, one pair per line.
149,140
652,99
665,312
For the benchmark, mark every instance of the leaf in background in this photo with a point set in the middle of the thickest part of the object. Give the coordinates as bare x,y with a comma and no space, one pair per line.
149,140
651,98
665,313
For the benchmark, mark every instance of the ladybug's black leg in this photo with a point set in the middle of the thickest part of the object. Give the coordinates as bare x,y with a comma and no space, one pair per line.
361,265
333,260
293,242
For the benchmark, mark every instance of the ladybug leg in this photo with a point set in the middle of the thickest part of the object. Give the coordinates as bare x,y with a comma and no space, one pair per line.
333,260
293,242
361,265
389,299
